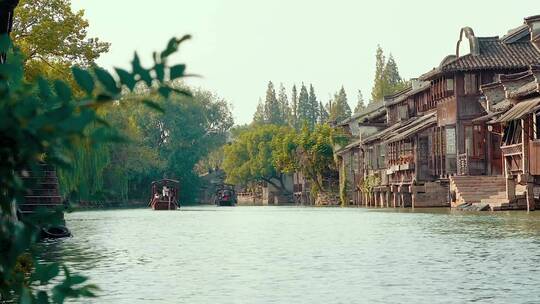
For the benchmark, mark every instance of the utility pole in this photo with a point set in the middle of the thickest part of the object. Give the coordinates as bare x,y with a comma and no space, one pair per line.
7,8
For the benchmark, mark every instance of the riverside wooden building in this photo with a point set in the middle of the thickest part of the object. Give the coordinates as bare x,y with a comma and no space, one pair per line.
444,141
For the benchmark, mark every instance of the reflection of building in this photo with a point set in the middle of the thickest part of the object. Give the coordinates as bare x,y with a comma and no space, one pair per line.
436,143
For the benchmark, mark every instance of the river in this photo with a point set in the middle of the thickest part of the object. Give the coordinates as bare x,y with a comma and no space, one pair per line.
304,255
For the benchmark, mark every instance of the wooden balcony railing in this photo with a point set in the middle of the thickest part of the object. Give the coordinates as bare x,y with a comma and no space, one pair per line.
509,150
463,164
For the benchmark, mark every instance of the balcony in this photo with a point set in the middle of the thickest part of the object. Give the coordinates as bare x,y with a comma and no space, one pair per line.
510,150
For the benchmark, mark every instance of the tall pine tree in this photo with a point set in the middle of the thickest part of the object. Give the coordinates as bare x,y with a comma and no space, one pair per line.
304,108
283,102
313,107
272,108
293,121
258,117
360,103
323,114
392,80
387,79
377,92
340,109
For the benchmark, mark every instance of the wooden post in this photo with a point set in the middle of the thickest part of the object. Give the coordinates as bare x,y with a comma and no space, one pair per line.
525,159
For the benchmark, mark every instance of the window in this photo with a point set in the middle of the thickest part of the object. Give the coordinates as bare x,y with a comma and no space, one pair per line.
450,84
475,141
512,133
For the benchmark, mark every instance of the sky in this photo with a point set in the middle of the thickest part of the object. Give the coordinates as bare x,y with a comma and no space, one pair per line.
240,45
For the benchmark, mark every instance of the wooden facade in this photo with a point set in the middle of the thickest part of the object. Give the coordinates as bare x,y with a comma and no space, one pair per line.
442,128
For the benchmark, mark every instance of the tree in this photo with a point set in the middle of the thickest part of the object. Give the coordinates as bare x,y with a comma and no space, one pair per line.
304,108
56,121
283,102
249,158
293,122
377,92
393,81
258,117
308,151
387,79
340,109
53,38
323,114
272,107
313,107
360,105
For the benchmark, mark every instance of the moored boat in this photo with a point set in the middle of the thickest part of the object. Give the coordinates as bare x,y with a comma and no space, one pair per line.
226,196
164,195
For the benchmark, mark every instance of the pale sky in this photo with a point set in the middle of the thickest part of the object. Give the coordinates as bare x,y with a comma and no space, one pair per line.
240,45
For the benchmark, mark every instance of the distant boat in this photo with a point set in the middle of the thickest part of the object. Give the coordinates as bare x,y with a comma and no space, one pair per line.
164,194
225,195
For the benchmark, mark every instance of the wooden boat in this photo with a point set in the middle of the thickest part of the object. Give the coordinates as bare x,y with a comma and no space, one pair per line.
164,195
225,195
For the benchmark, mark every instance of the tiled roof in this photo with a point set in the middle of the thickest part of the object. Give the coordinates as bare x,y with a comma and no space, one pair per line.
494,54
372,110
422,86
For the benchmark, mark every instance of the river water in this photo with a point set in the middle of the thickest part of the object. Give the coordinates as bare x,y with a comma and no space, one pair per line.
304,255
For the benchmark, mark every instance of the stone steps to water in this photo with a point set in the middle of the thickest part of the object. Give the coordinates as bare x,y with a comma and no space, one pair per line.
43,192
479,189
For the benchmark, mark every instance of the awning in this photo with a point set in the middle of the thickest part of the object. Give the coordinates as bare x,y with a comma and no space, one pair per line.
414,127
520,109
487,117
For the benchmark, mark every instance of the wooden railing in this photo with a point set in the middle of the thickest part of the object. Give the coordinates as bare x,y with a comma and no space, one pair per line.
509,150
463,164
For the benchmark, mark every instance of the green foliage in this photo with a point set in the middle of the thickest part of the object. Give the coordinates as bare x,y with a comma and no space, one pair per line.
293,120
53,37
249,157
273,110
369,183
44,122
387,79
360,103
339,107
304,110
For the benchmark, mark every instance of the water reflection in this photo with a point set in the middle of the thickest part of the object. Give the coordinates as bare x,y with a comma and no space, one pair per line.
305,255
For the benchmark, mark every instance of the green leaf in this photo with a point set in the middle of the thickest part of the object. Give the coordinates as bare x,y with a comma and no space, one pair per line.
183,92
136,64
177,71
84,79
172,47
26,296
45,273
44,88
153,105
165,91
76,279
126,78
160,71
62,90
107,80
5,43
42,298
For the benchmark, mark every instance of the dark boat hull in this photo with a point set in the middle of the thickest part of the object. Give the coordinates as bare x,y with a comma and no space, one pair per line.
164,205
226,203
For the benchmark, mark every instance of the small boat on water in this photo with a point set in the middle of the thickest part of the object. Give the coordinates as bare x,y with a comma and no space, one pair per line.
164,194
225,195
